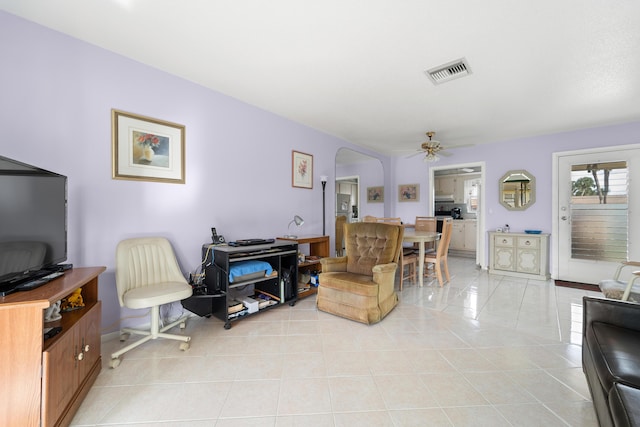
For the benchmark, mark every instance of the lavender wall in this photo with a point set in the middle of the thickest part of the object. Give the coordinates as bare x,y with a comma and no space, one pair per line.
533,154
371,174
55,113
57,96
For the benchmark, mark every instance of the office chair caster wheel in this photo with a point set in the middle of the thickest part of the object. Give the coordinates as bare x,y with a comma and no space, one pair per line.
184,346
125,336
114,363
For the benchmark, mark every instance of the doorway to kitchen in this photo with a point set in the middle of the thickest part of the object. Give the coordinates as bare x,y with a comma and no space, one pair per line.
458,191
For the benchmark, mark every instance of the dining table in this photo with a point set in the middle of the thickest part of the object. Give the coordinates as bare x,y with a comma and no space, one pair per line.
420,237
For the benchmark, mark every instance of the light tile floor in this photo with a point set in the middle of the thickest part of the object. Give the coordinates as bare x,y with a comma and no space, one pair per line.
484,350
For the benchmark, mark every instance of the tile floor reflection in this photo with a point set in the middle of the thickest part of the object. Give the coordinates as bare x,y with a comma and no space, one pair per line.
483,350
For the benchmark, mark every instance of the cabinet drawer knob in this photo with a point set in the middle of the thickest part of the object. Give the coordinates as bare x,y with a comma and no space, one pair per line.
528,242
504,241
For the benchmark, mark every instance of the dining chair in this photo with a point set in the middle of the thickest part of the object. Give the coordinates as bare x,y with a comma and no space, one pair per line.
341,220
370,218
389,220
426,223
439,257
410,261
408,256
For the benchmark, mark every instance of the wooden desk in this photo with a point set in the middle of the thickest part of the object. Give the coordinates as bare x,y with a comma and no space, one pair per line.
420,237
318,247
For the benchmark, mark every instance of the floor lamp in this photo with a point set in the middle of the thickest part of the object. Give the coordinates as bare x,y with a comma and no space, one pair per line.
323,180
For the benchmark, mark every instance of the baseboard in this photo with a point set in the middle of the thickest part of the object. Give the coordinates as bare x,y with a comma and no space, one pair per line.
576,285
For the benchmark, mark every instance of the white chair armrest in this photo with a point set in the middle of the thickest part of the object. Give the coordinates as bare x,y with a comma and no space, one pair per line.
632,279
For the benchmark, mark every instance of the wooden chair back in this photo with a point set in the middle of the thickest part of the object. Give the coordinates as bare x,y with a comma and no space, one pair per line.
439,257
341,220
445,238
396,221
426,223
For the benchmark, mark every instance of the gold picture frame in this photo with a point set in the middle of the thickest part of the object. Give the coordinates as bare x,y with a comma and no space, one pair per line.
409,192
301,169
147,149
375,194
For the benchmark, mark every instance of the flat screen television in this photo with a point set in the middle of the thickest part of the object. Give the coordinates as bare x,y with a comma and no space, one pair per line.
33,222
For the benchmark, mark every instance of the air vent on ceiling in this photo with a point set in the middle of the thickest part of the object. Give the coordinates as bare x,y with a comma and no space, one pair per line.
452,70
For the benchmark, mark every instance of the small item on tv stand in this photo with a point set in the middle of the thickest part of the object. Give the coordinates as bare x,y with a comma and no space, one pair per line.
251,242
51,332
64,267
73,301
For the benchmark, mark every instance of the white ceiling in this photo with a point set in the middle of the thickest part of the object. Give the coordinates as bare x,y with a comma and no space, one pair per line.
355,68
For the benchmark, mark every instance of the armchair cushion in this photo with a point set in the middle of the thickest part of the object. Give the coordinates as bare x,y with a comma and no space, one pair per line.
368,245
360,285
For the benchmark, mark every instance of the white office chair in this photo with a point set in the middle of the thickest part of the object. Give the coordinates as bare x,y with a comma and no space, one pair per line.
148,276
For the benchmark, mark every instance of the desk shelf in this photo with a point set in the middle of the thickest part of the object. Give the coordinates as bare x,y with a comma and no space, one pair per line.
311,246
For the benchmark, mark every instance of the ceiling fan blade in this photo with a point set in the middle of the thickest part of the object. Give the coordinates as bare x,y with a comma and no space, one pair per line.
444,154
449,147
415,154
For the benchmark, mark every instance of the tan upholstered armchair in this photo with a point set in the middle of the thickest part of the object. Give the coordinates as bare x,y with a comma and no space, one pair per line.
360,285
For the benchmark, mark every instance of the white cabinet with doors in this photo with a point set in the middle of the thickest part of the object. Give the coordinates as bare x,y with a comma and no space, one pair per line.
458,194
519,254
454,185
463,235
445,185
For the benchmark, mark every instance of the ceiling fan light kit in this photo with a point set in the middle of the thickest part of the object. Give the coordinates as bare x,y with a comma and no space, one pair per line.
431,158
431,147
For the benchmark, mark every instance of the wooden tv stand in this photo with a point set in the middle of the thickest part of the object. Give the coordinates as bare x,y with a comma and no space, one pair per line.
44,382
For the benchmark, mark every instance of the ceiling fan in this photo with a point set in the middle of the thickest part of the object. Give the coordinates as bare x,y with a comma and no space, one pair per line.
432,148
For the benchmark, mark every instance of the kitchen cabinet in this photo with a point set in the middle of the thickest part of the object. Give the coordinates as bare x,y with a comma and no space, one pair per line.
458,192
463,235
470,234
453,185
519,255
445,185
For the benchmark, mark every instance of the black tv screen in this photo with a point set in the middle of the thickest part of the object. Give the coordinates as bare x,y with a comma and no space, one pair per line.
33,220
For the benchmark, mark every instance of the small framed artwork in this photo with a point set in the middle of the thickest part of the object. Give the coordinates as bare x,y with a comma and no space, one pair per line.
147,149
375,194
301,170
409,193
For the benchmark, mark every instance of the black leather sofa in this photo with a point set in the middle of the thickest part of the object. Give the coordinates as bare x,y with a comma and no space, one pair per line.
611,359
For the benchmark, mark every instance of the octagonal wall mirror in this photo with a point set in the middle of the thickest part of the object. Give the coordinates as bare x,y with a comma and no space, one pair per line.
517,190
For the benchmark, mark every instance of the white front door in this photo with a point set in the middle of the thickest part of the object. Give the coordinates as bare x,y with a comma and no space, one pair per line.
594,211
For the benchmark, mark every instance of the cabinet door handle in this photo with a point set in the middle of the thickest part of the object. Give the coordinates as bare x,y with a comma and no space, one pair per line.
80,356
86,348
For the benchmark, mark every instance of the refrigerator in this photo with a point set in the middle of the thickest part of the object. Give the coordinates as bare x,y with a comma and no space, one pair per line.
343,205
